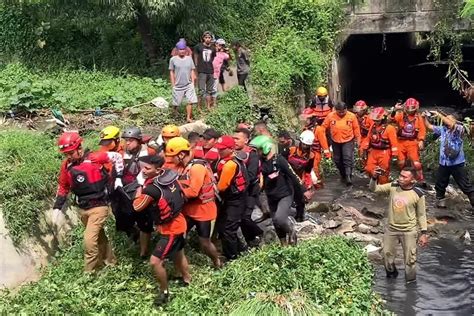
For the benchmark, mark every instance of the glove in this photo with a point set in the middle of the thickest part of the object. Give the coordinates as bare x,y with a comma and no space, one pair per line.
57,218
118,183
140,179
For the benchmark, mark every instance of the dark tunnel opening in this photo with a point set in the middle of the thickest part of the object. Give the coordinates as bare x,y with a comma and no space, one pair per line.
383,69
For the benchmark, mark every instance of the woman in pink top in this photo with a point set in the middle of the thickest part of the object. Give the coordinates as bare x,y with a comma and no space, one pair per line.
221,57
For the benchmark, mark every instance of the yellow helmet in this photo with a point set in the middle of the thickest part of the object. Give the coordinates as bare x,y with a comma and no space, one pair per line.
110,132
321,92
170,131
177,145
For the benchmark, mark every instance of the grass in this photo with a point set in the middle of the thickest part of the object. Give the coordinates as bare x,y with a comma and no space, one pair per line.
322,276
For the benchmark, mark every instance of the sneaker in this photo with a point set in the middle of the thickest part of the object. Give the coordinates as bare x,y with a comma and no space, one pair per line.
255,243
162,298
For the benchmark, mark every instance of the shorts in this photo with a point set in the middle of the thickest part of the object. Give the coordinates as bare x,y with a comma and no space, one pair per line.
187,92
206,84
204,228
168,246
144,220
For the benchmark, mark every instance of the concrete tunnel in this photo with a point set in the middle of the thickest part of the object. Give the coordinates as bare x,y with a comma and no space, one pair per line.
382,69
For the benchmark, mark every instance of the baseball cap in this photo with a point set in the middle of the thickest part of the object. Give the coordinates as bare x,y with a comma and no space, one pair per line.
225,142
211,133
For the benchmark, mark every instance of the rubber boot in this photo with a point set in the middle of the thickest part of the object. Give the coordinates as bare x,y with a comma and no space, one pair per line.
392,274
348,177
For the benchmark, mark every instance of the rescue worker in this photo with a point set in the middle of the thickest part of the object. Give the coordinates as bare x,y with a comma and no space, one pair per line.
301,159
198,185
171,242
252,233
84,174
406,209
411,134
134,152
380,146
168,132
279,183
319,148
321,104
232,185
284,143
205,149
110,139
345,132
362,111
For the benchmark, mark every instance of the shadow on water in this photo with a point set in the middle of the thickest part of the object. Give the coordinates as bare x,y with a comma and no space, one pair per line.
444,286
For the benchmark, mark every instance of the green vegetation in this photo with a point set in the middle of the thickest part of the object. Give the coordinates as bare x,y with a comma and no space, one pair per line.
322,276
29,163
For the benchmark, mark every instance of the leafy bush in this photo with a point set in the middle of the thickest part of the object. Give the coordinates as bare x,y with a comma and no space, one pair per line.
29,163
322,276
24,89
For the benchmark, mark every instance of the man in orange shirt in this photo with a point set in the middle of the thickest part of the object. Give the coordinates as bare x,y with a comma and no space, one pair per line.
380,146
197,182
344,131
411,134
232,185
171,242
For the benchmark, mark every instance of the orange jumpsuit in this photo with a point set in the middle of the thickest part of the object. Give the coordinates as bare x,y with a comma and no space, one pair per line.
382,145
411,130
320,145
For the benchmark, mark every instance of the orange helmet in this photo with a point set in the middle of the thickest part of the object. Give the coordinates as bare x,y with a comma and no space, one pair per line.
170,131
411,105
378,114
69,141
360,106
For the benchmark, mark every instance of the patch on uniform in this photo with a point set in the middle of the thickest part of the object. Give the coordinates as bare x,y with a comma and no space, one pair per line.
80,178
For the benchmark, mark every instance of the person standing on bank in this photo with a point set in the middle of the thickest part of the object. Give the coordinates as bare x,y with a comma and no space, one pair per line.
204,54
451,157
344,131
182,78
243,63
406,209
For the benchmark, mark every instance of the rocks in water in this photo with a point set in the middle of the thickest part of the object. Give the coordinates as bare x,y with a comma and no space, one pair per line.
374,213
330,224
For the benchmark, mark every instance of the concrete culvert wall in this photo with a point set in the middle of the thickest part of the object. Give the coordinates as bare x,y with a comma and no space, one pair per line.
382,69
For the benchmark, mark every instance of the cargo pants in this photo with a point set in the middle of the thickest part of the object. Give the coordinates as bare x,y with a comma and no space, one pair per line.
391,238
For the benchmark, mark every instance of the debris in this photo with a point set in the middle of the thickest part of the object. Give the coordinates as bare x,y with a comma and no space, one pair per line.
364,238
331,224
368,221
363,228
374,213
318,207
467,238
159,102
346,227
371,248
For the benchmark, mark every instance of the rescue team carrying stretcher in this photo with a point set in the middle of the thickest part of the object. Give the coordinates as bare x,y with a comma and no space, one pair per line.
213,182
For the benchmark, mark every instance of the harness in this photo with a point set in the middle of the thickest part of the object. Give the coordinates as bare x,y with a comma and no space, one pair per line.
132,167
377,141
321,108
364,128
298,162
240,180
208,190
408,131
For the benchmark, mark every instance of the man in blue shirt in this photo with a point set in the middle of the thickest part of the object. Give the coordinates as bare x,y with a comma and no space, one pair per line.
451,157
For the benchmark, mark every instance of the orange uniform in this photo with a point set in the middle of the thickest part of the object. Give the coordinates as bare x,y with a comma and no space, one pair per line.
382,145
198,187
411,130
342,129
320,147
365,122
302,163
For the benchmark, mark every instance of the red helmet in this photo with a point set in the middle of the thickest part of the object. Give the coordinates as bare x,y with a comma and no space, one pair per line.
69,141
360,106
378,114
412,105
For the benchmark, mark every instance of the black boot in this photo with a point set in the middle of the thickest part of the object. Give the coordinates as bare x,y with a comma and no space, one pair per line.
392,274
348,176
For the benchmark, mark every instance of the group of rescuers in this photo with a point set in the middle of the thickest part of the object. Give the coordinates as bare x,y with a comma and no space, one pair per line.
173,184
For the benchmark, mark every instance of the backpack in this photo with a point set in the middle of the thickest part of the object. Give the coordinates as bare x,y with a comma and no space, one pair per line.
169,196
452,144
209,191
89,183
240,182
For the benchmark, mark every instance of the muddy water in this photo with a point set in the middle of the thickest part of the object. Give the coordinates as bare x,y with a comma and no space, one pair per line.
445,278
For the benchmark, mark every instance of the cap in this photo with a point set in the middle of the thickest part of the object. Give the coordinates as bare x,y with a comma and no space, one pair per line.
210,133
225,142
181,45
220,41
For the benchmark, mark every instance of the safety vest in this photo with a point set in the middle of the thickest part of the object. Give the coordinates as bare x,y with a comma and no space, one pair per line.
208,190
408,131
240,181
89,183
322,108
298,160
316,147
212,155
376,139
131,164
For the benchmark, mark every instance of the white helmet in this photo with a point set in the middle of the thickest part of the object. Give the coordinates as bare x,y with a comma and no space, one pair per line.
307,138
